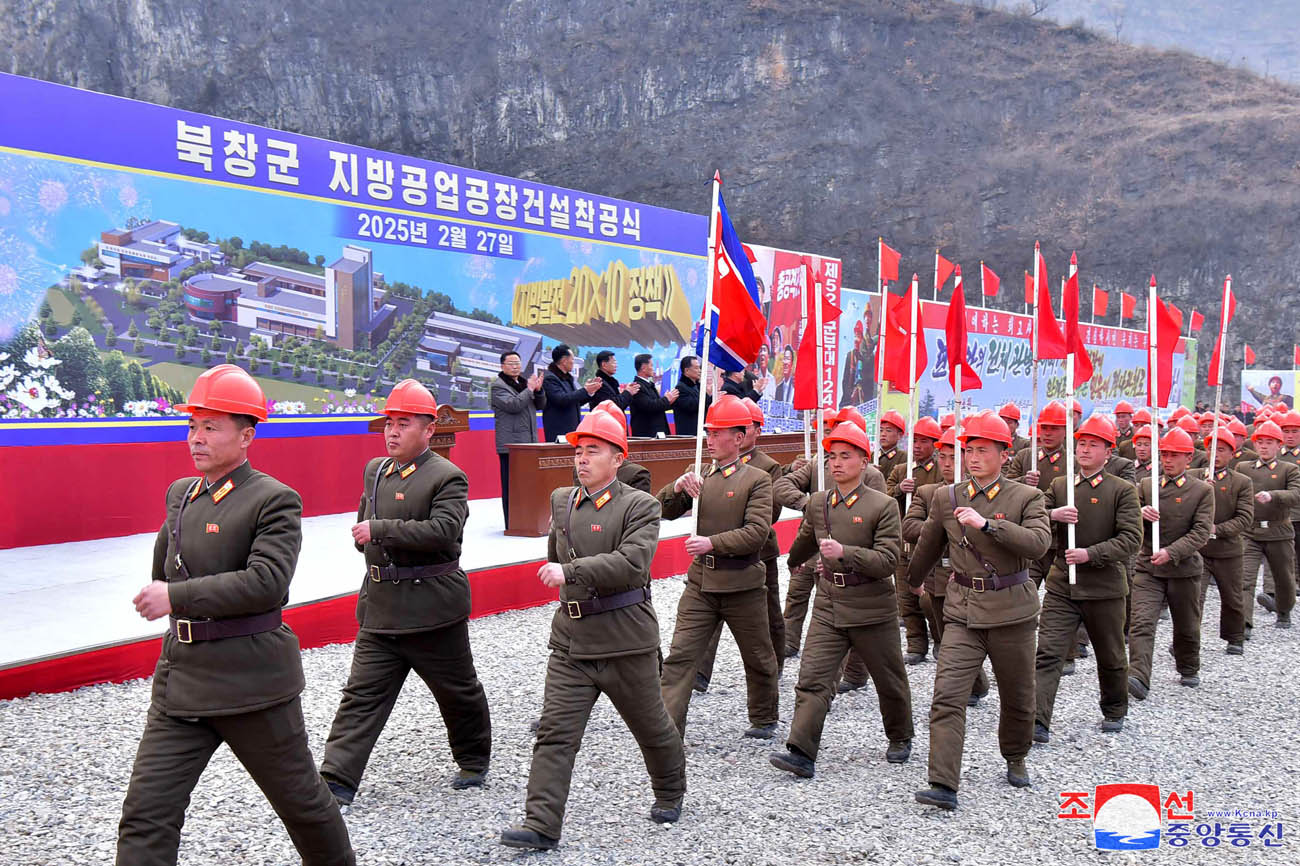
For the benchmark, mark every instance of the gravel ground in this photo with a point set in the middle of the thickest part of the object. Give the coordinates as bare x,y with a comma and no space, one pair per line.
65,761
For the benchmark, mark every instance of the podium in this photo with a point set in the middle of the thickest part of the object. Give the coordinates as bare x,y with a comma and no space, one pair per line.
447,423
538,469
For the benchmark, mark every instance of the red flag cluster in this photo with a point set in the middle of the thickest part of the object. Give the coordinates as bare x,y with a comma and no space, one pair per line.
955,332
1166,331
1229,309
899,330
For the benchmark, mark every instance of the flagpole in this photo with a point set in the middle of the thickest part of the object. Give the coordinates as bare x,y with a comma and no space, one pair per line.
1153,358
1035,289
911,369
981,282
935,297
1218,389
807,448
708,335
956,397
1033,428
821,378
880,347
1092,320
1070,540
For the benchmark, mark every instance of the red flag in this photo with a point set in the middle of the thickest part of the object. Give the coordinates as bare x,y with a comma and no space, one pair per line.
1229,309
1169,327
900,328
942,271
1073,336
1250,355
990,280
1051,342
1295,355
1198,321
1100,301
889,258
1127,305
955,333
806,395
1029,290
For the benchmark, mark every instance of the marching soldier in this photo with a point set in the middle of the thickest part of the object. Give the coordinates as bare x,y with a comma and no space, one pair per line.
925,470
604,635
1290,453
1240,437
993,528
414,605
936,582
1164,576
1234,512
893,428
1271,536
751,455
1189,425
1124,428
230,670
1051,465
1108,530
727,580
853,532
634,475
1141,444
1010,413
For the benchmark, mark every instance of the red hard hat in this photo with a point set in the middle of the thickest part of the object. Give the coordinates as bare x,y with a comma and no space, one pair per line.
1098,426
1290,419
1236,427
927,427
1177,441
727,412
1179,412
614,411
602,426
1076,405
226,388
1011,411
755,413
1143,432
986,425
947,421
1123,407
1142,416
1188,423
829,420
1053,414
411,398
893,417
1225,436
850,434
948,438
849,415
1267,430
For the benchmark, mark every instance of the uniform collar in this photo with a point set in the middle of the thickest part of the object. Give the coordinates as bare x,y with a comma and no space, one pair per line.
890,454
1177,482
405,470
726,470
221,488
1260,464
1051,456
847,501
750,454
974,489
1091,480
599,498
1220,474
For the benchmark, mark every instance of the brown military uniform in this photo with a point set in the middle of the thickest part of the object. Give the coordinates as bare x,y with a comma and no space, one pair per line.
634,475
1186,520
1110,530
727,585
791,490
1290,455
993,617
1246,454
230,672
909,606
890,458
1124,444
854,607
1051,466
936,582
413,610
1271,536
1018,443
1234,512
605,541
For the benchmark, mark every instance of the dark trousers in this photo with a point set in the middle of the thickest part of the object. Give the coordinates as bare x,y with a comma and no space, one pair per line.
1280,556
825,651
909,611
961,654
272,746
933,607
1150,595
698,615
775,624
572,687
1058,625
1226,572
797,595
380,664
505,487
1270,586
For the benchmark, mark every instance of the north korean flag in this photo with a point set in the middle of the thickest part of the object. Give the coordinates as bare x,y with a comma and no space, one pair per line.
738,326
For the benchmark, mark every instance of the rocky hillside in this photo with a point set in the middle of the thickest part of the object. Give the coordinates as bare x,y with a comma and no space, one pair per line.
832,121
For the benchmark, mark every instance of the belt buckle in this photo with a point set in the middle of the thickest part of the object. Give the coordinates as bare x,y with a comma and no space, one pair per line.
837,578
184,631
709,561
977,584
574,609
375,574
1263,524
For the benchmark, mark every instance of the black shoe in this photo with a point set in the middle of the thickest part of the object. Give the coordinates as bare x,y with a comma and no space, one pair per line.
665,814
1249,629
761,732
974,700
468,779
1112,726
1017,775
522,837
1082,651
701,683
1136,689
1041,734
793,762
1267,602
914,658
1190,680
1164,613
1283,620
938,795
1235,648
1068,669
845,686
534,725
343,795
791,652
899,751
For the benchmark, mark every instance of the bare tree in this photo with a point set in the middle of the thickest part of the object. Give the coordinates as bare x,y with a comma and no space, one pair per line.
1117,12
1036,6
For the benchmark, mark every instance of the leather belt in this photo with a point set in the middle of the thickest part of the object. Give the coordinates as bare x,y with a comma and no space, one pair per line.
395,573
604,604
850,578
728,563
1001,581
191,630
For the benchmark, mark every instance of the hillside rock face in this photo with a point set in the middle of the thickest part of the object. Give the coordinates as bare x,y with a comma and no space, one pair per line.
930,123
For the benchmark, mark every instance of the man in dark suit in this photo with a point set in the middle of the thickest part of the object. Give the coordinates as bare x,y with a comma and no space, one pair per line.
686,411
609,388
564,398
649,410
785,388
